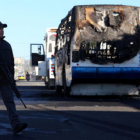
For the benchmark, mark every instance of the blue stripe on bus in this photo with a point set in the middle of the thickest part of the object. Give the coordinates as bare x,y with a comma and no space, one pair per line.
106,72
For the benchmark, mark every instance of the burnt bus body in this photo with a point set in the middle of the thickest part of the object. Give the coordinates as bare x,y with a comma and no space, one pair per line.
98,44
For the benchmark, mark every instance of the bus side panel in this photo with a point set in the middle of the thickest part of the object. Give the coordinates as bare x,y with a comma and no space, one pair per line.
105,73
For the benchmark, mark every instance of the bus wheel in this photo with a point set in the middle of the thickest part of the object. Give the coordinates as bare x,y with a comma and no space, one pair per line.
58,90
66,88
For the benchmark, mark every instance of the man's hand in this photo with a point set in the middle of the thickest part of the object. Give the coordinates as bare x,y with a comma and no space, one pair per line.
16,92
18,95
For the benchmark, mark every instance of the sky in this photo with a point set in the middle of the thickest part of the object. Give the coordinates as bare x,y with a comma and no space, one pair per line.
28,20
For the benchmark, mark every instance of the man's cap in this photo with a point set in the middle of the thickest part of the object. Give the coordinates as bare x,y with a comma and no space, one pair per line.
3,25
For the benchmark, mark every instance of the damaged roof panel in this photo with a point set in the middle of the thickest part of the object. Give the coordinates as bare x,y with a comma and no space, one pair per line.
113,26
109,33
106,20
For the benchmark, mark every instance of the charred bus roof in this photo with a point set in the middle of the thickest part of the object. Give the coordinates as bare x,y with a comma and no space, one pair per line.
115,26
104,18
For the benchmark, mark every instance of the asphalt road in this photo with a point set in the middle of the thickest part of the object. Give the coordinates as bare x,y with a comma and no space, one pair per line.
59,118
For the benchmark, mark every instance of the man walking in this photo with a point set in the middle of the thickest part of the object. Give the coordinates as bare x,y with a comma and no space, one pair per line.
7,59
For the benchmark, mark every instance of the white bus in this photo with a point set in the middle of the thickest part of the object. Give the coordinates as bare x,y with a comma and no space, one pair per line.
98,51
42,58
50,38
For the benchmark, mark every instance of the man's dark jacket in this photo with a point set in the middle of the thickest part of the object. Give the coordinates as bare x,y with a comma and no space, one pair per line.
6,59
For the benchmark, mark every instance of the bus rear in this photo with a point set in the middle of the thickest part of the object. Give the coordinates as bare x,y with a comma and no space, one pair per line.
104,50
49,50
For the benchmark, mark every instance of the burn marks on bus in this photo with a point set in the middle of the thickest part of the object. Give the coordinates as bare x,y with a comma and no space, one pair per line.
100,33
107,51
106,34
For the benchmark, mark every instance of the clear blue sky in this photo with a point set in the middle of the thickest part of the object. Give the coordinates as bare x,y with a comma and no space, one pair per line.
27,20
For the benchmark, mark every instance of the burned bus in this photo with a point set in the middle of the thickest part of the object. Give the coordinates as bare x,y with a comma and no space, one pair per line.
97,51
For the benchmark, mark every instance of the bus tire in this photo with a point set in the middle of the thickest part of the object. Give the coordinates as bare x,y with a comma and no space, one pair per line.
65,87
58,90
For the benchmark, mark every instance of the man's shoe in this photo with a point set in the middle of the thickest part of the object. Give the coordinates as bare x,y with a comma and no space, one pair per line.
19,127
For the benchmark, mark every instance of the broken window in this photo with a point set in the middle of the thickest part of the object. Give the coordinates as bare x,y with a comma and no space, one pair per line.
107,51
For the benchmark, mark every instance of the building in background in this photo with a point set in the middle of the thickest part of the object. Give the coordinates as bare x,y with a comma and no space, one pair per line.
21,67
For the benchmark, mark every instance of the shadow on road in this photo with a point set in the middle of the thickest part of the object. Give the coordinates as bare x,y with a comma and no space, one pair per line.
69,125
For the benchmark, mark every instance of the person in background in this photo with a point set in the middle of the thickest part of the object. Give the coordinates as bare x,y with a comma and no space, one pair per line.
7,59
27,76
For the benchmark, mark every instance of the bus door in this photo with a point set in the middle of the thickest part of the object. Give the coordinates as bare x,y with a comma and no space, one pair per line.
36,54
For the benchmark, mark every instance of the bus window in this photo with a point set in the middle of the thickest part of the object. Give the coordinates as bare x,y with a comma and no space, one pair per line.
50,47
53,37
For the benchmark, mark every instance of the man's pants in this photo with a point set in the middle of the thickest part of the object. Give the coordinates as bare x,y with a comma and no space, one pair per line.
8,99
